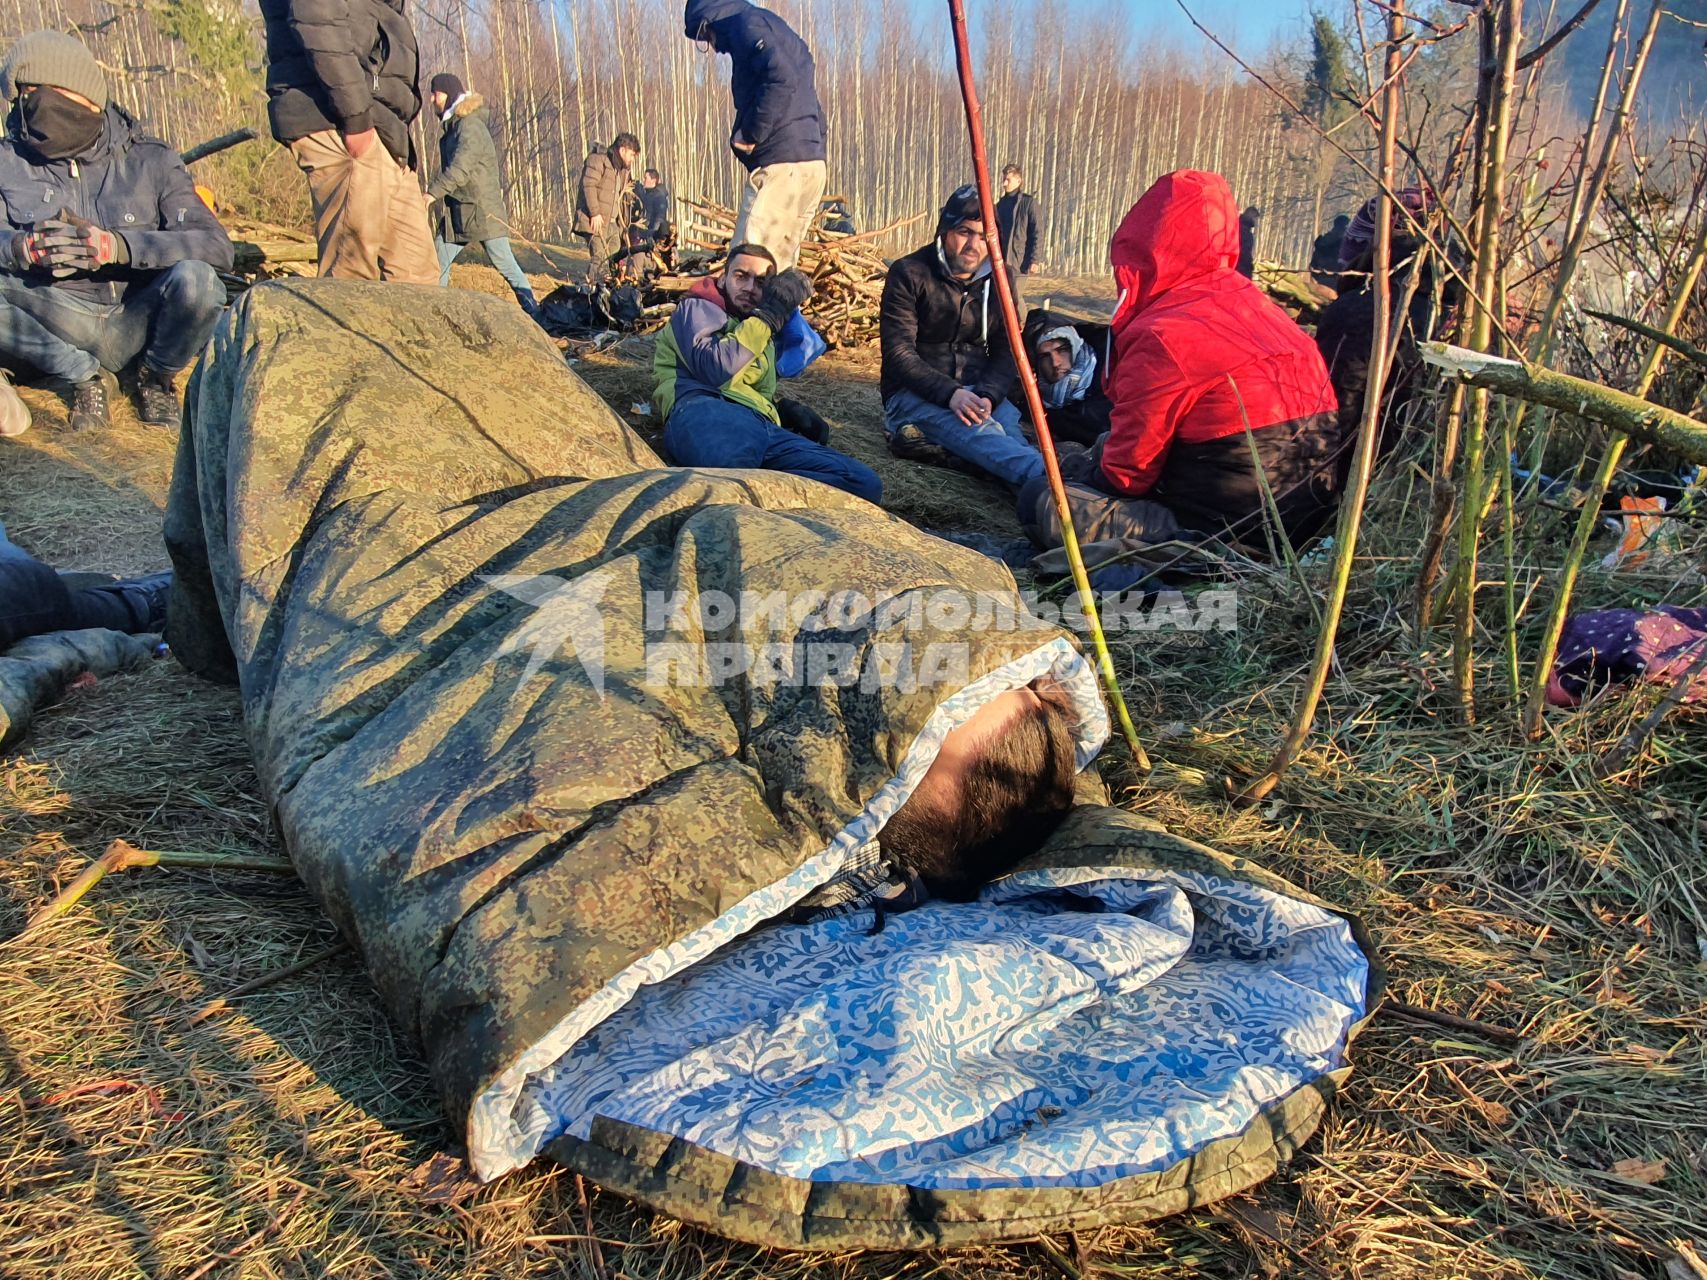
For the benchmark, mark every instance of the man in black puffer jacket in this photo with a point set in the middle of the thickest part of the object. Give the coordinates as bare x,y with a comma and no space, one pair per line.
779,122
341,93
107,254
947,366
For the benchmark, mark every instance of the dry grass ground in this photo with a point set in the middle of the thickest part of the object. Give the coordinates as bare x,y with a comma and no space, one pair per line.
290,1135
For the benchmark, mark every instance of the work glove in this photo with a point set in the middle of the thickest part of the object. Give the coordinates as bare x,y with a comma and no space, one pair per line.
803,421
27,250
78,245
784,292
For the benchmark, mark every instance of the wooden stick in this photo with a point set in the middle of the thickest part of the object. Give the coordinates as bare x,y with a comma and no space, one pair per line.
121,855
266,980
1369,429
1028,380
1452,1021
213,146
1686,349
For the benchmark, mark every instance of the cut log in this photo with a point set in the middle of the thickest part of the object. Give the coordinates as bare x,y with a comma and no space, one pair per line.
1648,422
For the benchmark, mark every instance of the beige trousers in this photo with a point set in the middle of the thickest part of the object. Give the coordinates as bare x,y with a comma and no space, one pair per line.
369,214
778,206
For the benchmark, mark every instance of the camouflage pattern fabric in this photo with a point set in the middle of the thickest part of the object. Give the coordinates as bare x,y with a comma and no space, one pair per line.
35,671
433,558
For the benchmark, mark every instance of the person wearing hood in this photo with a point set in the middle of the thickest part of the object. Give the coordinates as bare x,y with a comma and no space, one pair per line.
947,366
1325,255
1248,220
107,254
467,183
600,204
714,374
342,91
1207,372
1070,358
778,134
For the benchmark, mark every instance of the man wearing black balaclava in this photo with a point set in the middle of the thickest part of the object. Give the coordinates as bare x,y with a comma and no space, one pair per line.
107,254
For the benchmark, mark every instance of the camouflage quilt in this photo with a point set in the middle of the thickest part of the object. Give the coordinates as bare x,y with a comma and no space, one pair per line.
556,734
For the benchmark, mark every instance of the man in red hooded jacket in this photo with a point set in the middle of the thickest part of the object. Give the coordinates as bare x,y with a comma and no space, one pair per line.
1200,354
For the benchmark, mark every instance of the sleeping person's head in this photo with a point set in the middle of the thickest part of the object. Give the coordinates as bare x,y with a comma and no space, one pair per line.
999,785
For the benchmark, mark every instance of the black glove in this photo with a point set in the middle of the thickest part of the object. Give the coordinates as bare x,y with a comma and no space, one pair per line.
803,420
783,293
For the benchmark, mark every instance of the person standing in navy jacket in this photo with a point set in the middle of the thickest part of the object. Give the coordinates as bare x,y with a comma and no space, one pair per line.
779,123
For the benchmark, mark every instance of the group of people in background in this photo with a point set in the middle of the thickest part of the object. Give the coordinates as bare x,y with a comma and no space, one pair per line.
1200,409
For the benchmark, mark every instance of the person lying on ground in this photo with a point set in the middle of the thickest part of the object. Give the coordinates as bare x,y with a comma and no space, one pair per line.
715,372
947,367
1019,222
599,204
999,785
34,599
1070,359
467,183
111,255
779,123
342,95
1207,372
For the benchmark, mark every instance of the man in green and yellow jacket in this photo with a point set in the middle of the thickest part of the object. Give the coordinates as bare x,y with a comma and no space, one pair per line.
715,373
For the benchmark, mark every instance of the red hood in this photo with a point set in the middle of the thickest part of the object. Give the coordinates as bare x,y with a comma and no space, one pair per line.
1185,228
709,288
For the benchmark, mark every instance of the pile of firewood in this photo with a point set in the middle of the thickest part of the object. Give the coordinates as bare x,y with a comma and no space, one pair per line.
847,270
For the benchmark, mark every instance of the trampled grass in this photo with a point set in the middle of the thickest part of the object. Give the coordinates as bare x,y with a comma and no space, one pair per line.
294,1133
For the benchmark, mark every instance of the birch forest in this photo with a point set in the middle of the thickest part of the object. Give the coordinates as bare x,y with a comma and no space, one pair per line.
1092,119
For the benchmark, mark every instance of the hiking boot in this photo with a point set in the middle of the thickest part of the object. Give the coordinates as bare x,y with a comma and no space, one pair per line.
89,405
145,597
910,443
156,398
14,413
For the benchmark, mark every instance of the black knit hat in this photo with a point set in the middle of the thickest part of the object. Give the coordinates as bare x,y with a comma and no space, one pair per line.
962,206
448,85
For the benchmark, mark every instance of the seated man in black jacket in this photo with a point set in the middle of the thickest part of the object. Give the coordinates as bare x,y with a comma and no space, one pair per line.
107,252
947,368
1070,359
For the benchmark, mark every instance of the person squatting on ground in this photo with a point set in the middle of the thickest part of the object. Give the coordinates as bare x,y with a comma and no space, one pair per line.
599,204
467,183
779,123
947,366
341,94
1070,358
1199,353
715,372
34,599
655,211
109,253
1019,222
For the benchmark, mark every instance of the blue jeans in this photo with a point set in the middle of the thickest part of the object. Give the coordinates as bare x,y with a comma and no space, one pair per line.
998,446
167,321
503,258
709,431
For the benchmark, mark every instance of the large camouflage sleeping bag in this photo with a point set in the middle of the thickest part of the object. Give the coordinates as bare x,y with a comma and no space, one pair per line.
553,731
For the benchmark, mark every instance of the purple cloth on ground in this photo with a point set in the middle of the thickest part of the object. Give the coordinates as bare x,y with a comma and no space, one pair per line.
1615,646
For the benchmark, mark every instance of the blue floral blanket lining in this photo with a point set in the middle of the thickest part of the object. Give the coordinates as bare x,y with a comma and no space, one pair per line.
1071,1027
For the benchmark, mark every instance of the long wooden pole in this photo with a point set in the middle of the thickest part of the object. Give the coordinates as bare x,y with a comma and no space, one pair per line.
1369,428
1028,380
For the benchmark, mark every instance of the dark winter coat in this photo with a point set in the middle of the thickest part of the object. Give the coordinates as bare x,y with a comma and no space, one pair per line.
1199,353
939,334
344,65
467,180
604,179
127,182
773,80
654,208
1019,224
